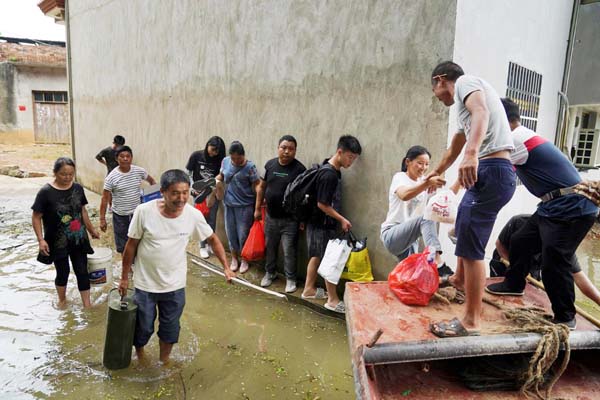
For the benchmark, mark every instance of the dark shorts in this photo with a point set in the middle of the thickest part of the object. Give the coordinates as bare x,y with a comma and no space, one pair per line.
170,307
317,238
480,205
120,228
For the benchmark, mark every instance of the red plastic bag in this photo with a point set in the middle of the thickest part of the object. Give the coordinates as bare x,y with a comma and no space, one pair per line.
254,248
203,207
414,280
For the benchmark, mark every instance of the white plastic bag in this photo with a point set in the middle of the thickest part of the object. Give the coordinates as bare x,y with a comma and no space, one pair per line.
441,207
334,260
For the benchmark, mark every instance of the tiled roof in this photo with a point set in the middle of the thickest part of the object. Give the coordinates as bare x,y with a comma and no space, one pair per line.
42,55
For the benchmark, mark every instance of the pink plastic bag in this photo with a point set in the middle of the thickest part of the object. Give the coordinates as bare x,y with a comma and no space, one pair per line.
414,280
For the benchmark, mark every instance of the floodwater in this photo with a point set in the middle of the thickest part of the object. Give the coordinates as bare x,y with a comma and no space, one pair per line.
234,343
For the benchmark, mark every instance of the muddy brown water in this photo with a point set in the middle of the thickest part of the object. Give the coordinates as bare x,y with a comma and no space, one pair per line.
234,343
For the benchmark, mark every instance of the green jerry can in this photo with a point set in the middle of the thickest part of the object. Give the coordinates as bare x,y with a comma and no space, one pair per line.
120,326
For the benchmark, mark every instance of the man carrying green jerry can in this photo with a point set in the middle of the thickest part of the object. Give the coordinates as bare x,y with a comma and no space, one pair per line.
157,238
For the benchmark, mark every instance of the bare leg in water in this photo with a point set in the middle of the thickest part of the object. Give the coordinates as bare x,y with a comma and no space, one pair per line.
62,296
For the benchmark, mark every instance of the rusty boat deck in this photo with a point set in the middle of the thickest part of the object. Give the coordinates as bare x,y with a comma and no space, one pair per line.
408,361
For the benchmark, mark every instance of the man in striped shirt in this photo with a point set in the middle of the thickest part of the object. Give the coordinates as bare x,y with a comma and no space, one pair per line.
122,188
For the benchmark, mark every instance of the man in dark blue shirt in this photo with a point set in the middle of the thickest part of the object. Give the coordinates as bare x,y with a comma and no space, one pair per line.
559,224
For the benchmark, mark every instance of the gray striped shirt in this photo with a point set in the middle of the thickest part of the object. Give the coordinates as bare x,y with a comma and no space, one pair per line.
125,189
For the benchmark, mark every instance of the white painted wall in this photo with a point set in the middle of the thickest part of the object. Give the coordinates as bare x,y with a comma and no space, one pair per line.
531,33
40,79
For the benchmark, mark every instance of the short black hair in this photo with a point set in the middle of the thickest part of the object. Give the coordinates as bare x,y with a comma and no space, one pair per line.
172,177
512,109
119,140
412,153
61,162
121,149
349,143
237,147
447,69
288,138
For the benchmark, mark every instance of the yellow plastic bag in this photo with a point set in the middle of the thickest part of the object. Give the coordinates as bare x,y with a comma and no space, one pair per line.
358,266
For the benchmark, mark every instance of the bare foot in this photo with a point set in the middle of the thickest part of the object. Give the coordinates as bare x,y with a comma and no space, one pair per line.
470,324
143,360
458,284
61,304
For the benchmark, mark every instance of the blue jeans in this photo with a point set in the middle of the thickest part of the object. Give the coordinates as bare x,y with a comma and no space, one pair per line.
170,307
402,239
284,230
238,221
211,220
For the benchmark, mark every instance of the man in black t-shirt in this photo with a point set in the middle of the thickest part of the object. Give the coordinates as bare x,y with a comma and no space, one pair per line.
279,225
323,224
108,155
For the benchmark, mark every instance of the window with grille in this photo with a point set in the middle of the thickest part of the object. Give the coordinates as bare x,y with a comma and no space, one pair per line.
524,87
50,97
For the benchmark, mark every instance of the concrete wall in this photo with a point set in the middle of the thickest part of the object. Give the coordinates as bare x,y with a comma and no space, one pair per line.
584,86
17,83
168,75
534,34
38,79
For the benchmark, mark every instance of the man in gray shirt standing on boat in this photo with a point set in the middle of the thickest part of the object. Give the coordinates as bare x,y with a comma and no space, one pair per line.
487,174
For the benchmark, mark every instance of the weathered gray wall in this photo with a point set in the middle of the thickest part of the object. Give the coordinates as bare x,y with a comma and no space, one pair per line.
17,82
8,111
170,74
584,85
39,79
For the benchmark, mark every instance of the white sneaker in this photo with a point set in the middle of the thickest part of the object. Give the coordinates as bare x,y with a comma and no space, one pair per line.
267,280
210,250
204,252
244,267
234,265
290,286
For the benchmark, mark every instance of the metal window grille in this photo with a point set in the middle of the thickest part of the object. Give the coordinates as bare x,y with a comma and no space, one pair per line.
50,97
524,87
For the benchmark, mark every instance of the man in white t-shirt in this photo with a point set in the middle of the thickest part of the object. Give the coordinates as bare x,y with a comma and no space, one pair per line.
122,189
158,236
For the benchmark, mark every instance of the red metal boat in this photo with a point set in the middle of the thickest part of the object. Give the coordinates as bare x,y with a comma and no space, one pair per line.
409,362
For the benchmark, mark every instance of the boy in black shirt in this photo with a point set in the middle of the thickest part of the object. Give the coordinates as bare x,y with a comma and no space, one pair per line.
108,155
279,225
323,224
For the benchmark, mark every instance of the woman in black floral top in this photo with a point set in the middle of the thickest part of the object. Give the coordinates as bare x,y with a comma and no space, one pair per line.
60,208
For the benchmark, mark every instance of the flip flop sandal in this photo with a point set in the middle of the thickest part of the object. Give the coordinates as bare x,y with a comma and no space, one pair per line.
319,294
203,194
452,328
339,307
200,185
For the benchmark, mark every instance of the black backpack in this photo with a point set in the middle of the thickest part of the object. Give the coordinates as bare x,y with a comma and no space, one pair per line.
300,198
